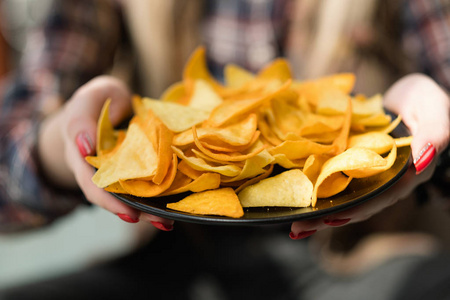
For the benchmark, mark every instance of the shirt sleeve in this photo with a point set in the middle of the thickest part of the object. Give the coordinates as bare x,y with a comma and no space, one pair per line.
76,42
427,37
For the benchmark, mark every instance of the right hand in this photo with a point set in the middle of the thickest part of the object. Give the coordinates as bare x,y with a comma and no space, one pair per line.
66,138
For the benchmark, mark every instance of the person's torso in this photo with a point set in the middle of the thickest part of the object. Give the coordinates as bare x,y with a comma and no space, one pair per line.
318,38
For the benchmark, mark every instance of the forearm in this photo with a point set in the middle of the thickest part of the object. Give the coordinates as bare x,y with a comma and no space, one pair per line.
27,199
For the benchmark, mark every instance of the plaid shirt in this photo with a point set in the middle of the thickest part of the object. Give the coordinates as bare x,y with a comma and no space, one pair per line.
78,41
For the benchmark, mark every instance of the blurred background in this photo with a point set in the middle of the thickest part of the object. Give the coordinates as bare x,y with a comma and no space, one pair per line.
88,235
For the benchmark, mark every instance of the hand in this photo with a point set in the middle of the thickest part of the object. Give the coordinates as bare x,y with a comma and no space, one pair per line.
425,109
70,135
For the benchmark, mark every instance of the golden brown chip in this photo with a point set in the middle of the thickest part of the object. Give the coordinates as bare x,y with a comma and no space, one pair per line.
227,157
354,162
206,181
203,96
231,109
135,158
187,170
332,185
106,138
403,141
147,188
376,141
253,166
278,69
175,93
236,77
196,68
205,137
115,188
342,81
200,164
291,188
175,116
313,166
222,202
301,148
244,183
235,134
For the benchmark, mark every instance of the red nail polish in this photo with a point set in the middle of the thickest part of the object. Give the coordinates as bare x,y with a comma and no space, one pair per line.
84,144
424,158
336,222
162,226
301,235
127,218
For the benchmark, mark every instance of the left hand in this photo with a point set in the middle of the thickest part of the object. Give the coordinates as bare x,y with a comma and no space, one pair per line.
425,109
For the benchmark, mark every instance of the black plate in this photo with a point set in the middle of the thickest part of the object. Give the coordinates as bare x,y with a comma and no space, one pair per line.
358,191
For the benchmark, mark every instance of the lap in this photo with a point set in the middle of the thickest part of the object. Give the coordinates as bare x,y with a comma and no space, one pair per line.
197,262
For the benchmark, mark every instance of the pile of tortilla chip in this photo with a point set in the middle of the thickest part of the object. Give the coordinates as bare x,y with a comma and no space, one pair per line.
220,142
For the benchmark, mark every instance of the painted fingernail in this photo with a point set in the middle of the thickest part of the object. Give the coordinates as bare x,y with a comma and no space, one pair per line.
336,222
301,235
127,218
161,226
424,157
84,144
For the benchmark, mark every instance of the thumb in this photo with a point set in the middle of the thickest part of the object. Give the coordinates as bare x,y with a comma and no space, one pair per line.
83,110
79,131
430,129
424,107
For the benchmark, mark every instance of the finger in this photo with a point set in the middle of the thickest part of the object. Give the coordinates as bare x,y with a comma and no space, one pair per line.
430,137
83,174
158,222
84,108
304,229
425,110
120,96
364,211
94,93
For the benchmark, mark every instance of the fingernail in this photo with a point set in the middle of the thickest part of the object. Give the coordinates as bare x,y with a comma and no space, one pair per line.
424,157
84,144
336,222
162,226
301,235
127,218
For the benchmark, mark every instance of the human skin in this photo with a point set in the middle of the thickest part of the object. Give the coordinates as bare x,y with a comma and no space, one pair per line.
425,109
70,134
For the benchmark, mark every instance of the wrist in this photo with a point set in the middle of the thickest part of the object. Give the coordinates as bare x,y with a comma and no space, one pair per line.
51,152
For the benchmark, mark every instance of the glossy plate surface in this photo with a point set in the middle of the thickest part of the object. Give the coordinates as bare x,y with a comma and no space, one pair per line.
358,191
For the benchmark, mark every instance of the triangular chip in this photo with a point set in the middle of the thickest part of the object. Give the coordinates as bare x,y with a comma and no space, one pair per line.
236,77
204,97
222,202
289,189
135,158
106,138
175,116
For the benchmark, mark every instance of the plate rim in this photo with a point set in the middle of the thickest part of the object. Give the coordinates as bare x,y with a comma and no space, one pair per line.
401,130
221,220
